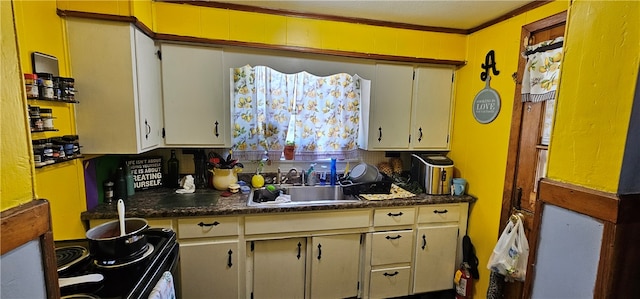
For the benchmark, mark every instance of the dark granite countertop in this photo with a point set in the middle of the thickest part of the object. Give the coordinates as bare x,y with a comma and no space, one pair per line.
165,203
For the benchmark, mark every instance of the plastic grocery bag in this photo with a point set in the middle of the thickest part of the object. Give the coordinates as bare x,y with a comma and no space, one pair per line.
511,253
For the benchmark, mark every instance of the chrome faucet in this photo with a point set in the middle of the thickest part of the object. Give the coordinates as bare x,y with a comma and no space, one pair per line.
293,176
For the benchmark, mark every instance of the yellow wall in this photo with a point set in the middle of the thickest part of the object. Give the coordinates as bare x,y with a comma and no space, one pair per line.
479,151
189,20
592,115
16,170
39,29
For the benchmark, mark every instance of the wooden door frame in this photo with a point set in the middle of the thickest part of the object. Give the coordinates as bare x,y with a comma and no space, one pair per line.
28,222
514,141
516,120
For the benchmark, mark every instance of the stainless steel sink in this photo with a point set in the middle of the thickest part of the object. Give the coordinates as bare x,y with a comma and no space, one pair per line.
301,196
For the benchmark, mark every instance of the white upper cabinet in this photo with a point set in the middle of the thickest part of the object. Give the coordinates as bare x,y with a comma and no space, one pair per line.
117,74
431,110
195,112
410,109
389,111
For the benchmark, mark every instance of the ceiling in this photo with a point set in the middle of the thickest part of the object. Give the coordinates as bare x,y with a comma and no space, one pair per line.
456,14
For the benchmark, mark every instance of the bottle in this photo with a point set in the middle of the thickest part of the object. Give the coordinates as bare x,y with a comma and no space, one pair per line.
333,175
130,183
108,192
120,184
173,171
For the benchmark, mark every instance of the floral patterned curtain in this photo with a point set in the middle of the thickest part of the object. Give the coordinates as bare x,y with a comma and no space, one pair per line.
326,111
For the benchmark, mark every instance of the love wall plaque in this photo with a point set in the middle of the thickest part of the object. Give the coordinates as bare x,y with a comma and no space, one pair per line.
486,104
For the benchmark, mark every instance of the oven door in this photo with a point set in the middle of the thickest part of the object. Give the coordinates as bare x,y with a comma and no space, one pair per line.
170,262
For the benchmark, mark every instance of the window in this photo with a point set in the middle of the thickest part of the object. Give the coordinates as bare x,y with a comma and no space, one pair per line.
270,109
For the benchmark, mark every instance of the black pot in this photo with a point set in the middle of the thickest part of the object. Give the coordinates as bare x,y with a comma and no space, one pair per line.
105,242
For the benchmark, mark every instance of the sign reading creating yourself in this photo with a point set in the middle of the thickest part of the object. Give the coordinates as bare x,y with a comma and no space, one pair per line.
147,172
486,105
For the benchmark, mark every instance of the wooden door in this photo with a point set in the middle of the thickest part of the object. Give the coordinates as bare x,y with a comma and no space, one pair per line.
527,155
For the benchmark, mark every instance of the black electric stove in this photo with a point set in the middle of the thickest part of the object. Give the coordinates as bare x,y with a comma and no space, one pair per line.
132,276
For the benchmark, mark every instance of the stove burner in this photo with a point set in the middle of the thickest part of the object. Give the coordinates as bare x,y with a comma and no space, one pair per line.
80,296
69,256
125,261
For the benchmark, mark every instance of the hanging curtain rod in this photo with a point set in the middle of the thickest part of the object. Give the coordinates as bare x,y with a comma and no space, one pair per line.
545,48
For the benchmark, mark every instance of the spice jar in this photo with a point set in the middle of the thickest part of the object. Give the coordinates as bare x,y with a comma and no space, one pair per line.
35,119
38,153
68,145
57,88
31,85
68,89
48,152
46,114
45,86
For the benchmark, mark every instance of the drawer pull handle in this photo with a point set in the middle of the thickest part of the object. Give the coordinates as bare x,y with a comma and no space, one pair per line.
319,251
440,211
299,248
202,224
392,274
424,241
229,260
394,215
216,130
379,134
393,238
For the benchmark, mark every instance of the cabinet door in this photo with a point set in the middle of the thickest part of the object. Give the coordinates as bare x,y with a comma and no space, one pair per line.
195,113
431,111
116,71
209,269
335,266
279,268
149,93
390,111
435,260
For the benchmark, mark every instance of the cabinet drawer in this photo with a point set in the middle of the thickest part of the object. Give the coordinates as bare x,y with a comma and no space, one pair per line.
439,213
391,247
390,282
207,227
390,217
313,221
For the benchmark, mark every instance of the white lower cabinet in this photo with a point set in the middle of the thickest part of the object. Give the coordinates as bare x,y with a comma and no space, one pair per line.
209,269
335,266
363,253
435,260
209,257
278,268
329,266
390,282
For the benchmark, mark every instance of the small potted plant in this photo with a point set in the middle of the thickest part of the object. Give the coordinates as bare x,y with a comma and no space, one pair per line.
289,150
